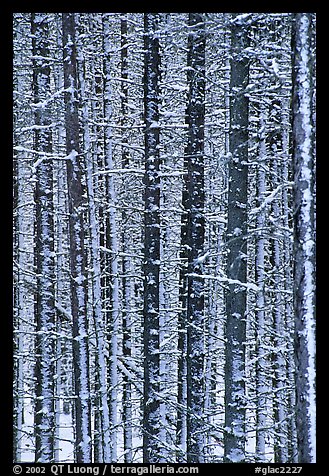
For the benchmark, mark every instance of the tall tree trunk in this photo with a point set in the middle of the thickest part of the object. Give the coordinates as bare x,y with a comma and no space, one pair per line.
77,246
181,428
103,437
287,257
151,418
195,238
235,405
113,242
127,283
279,325
304,232
24,225
44,247
261,364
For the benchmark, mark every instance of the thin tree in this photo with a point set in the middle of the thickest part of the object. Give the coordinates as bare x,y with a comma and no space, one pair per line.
236,297
151,403
181,428
304,231
279,326
24,222
77,246
127,289
44,244
261,364
102,442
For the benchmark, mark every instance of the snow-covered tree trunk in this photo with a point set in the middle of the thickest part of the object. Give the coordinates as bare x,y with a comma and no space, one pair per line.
60,224
163,333
181,435
288,281
279,325
103,450
304,236
77,246
127,282
235,398
24,226
181,429
261,364
25,282
113,325
151,418
195,117
44,246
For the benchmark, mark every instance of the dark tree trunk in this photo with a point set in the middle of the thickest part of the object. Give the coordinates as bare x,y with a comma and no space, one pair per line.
151,419
195,238
234,437
77,251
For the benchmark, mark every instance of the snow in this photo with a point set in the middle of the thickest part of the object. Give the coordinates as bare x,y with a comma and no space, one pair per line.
237,231
66,440
270,197
71,156
223,279
236,455
201,259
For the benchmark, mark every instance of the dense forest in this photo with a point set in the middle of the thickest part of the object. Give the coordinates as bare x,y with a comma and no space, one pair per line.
164,237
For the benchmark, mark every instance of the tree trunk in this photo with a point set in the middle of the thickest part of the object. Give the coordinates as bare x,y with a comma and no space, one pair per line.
151,419
304,236
287,258
127,283
279,325
181,429
235,404
44,246
77,250
261,364
113,323
195,239
102,409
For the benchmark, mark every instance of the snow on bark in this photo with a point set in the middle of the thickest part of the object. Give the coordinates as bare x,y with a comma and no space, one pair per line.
304,271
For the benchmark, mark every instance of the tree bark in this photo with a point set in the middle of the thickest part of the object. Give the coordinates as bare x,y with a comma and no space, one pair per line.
194,152
113,323
127,283
102,441
261,364
304,236
44,246
77,245
151,418
235,404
